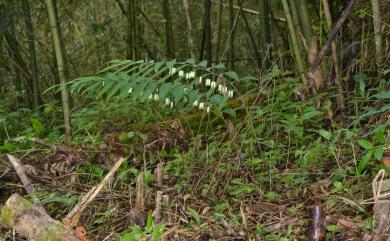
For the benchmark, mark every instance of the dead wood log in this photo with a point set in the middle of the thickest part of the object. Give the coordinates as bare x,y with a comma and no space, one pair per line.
29,221
17,165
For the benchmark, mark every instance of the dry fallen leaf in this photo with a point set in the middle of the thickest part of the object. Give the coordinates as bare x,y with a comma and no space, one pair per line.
386,162
346,224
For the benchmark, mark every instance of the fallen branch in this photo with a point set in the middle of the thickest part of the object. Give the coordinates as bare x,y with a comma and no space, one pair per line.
73,216
31,222
17,165
54,147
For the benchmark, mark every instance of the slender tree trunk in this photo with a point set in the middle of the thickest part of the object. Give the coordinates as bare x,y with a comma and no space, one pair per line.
130,30
265,32
252,39
136,29
376,15
294,42
60,64
32,55
190,39
335,57
219,29
232,35
169,45
311,43
207,28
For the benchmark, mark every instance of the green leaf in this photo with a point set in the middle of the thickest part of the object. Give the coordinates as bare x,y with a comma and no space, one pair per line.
138,89
333,228
149,222
149,90
157,66
231,74
37,125
364,162
230,112
115,89
271,195
203,64
383,95
378,153
325,134
134,235
365,144
158,231
178,92
195,215
164,90
171,63
310,115
190,61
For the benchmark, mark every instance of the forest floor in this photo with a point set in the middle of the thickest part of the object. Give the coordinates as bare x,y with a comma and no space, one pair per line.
202,199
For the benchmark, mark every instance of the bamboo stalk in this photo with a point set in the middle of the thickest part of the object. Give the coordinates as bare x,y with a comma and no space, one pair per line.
376,17
294,41
51,8
336,62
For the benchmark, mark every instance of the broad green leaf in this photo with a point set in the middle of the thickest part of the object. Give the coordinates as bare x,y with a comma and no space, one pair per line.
171,64
378,153
195,215
365,144
364,162
233,75
203,64
158,231
310,115
325,134
105,89
178,92
138,89
164,90
383,95
149,222
134,235
149,90
190,61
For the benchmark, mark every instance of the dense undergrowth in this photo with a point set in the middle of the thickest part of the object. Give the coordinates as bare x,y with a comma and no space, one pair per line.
276,156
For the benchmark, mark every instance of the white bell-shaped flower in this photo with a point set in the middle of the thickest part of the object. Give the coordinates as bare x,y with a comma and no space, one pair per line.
181,73
201,105
195,103
208,82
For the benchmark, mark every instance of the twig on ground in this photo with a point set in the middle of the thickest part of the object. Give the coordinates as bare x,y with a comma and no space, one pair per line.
72,218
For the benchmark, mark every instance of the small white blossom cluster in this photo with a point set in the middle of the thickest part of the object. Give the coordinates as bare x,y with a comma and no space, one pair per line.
181,73
201,106
222,89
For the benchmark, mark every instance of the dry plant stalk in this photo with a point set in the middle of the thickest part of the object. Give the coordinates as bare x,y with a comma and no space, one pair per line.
159,174
140,192
157,211
72,218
